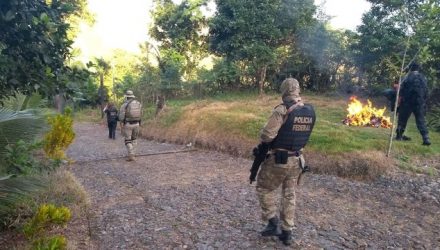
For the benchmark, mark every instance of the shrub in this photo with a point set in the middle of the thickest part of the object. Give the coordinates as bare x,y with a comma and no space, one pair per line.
47,216
60,136
52,243
434,118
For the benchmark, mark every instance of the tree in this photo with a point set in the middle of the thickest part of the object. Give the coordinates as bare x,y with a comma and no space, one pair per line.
34,45
252,31
180,30
102,69
392,27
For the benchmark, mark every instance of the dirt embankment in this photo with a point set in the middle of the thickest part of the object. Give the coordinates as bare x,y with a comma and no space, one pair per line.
202,200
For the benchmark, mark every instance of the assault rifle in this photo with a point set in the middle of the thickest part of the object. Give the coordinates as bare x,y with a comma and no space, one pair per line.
260,153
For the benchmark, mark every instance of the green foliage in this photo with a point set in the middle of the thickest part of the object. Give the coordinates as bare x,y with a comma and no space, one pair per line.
52,243
18,125
47,216
14,190
60,136
34,45
252,31
19,158
179,28
388,29
224,76
434,118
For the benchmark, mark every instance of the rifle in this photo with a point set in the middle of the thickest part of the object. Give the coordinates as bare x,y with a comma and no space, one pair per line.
260,153
304,168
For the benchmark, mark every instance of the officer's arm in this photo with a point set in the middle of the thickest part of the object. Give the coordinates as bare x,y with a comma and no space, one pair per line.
270,130
122,113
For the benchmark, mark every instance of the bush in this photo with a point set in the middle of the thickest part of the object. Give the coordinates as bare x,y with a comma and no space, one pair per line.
53,243
434,118
60,136
47,216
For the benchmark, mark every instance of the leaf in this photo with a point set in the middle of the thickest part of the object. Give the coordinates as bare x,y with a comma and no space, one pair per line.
2,178
9,16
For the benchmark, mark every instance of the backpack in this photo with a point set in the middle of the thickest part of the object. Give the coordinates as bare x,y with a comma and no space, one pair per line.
113,114
133,111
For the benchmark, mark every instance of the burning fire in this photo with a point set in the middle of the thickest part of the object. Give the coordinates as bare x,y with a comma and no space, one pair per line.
365,115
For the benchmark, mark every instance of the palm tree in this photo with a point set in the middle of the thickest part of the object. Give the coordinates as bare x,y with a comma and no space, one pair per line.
17,122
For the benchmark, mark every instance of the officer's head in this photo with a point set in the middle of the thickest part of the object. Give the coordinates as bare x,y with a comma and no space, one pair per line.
413,66
290,88
129,95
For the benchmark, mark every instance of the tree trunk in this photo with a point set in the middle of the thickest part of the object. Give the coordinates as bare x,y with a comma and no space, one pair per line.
101,93
59,102
261,77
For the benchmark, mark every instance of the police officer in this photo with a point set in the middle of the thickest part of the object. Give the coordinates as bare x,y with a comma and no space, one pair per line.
130,118
282,165
414,92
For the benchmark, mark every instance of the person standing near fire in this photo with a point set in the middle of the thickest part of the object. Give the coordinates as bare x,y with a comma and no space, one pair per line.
280,155
130,118
414,93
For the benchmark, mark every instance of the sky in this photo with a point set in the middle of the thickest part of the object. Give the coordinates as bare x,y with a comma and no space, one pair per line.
124,24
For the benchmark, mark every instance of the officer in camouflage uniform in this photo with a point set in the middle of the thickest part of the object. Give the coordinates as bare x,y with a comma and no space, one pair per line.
414,92
273,175
130,129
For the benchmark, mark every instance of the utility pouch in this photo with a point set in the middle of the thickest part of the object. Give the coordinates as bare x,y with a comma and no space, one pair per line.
281,157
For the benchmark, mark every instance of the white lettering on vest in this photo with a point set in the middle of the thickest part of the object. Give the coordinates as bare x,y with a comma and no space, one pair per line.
303,119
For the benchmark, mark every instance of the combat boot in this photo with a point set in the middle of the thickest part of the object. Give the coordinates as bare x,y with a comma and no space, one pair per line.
130,158
286,237
426,140
272,228
401,137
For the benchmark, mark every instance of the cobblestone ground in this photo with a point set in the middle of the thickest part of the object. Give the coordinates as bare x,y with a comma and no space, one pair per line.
203,200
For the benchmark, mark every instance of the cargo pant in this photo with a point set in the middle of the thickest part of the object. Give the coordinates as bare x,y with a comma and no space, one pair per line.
130,133
270,178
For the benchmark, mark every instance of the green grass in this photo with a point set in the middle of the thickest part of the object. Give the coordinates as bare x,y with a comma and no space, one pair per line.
245,114
87,115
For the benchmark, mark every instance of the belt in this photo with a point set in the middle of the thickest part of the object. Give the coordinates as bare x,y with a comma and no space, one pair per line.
133,122
289,153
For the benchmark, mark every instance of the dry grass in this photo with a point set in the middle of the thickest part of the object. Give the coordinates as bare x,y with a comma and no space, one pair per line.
356,165
232,127
62,189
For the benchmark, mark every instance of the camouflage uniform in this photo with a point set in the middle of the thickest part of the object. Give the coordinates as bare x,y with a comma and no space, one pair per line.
272,175
130,131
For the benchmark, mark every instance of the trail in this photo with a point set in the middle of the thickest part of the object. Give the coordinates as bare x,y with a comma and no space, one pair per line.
203,200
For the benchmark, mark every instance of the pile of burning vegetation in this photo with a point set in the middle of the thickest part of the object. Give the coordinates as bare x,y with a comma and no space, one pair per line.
365,115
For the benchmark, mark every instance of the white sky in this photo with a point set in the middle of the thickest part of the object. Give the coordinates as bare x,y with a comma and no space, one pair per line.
124,24
346,14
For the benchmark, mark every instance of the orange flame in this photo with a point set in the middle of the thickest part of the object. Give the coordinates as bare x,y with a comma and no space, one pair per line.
365,115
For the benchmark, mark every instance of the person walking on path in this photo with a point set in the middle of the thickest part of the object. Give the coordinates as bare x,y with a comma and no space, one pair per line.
112,119
130,117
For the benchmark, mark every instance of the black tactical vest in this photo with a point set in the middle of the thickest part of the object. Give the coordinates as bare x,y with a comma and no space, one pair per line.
296,130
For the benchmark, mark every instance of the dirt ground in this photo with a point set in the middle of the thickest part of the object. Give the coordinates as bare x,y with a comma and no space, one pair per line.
203,200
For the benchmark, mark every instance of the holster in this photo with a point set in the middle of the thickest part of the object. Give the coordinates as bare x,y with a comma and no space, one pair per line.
281,157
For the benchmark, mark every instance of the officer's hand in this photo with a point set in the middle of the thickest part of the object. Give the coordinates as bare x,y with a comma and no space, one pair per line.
251,179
